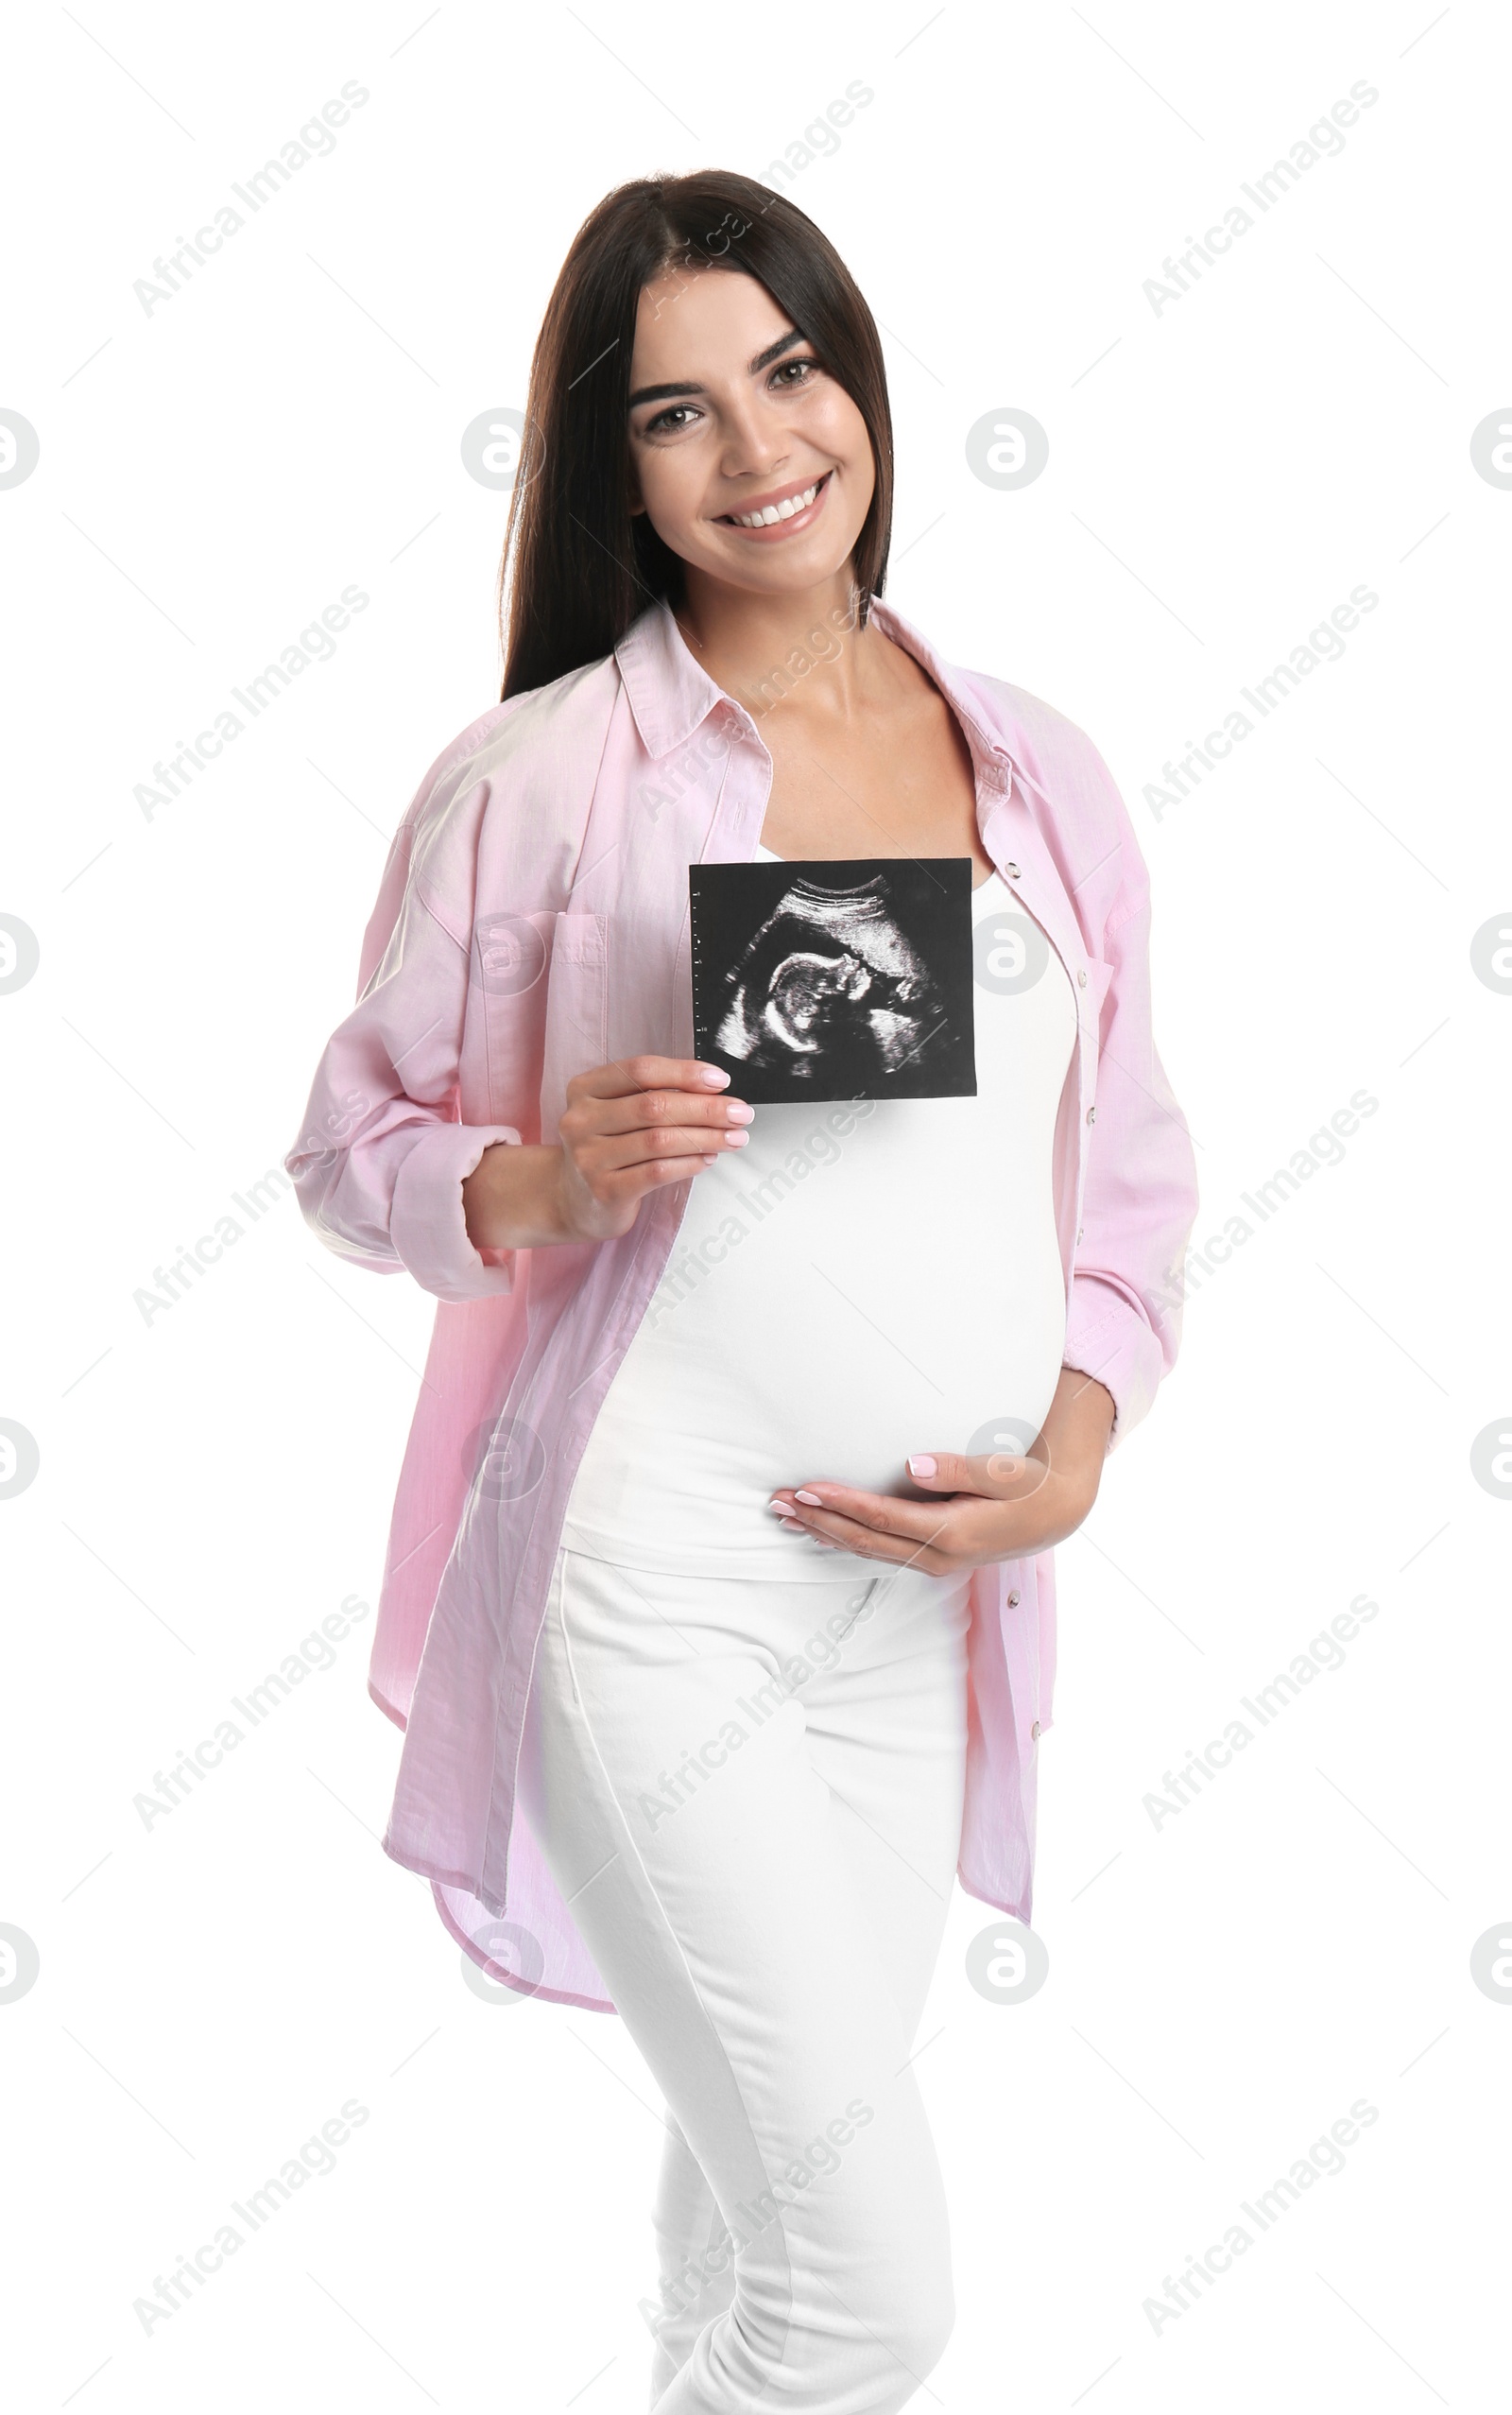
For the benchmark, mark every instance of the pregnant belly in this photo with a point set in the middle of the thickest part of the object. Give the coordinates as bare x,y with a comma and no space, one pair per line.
835,1368
834,1379
840,1295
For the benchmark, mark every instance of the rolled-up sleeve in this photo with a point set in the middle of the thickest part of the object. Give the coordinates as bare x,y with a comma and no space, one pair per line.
379,1166
1140,1193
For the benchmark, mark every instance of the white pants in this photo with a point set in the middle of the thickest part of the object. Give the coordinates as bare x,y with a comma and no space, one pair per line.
749,1794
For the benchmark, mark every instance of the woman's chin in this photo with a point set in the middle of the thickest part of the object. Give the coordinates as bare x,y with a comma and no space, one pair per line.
771,570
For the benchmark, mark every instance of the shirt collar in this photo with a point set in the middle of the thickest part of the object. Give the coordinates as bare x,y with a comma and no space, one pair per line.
670,693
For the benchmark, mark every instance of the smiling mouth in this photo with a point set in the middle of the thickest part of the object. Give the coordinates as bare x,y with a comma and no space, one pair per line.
773,513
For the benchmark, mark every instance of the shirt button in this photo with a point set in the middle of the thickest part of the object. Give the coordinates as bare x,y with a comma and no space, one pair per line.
1078,1232
1013,1601
1081,979
1091,1115
1035,1731
1012,871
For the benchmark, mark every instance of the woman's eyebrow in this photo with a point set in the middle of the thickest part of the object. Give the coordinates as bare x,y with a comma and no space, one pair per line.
775,352
754,369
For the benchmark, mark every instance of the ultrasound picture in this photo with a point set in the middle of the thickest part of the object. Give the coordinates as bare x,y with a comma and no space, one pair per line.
847,979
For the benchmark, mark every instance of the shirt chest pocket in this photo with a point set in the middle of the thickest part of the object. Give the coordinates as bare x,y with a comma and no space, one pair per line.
577,1018
508,972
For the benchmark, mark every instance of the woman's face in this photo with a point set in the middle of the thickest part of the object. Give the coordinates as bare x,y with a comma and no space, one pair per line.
731,412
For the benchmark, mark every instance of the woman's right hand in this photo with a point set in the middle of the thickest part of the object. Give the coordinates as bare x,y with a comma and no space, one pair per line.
628,1127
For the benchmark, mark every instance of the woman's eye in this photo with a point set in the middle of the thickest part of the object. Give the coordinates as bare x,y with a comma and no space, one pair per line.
783,368
664,419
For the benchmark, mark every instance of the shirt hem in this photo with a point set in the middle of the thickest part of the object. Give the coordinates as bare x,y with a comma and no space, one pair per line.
501,1977
1018,1910
470,1884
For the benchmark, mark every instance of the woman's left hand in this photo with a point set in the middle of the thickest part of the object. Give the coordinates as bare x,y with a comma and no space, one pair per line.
996,1507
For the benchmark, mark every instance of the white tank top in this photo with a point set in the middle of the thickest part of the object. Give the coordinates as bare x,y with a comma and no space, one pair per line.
861,1281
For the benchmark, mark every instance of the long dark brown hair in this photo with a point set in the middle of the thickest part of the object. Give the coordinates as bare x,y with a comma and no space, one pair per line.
579,565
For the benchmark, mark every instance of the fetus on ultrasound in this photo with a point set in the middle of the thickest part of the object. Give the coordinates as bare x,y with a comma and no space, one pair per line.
829,990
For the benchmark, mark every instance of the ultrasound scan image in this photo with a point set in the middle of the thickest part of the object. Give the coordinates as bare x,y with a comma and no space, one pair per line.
846,979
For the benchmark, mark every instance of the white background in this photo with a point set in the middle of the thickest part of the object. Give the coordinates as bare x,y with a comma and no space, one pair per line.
214,1482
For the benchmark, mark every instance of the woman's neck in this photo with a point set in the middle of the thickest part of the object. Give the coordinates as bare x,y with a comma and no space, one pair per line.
763,650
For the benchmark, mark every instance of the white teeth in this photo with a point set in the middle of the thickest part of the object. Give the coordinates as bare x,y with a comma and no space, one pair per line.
777,510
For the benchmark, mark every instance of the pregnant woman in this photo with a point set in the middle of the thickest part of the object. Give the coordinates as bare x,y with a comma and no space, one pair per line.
718,1611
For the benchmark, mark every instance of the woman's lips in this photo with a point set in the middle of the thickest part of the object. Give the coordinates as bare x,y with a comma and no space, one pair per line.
796,521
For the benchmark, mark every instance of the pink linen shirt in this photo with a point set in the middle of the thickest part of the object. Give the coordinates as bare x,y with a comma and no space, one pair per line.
533,921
